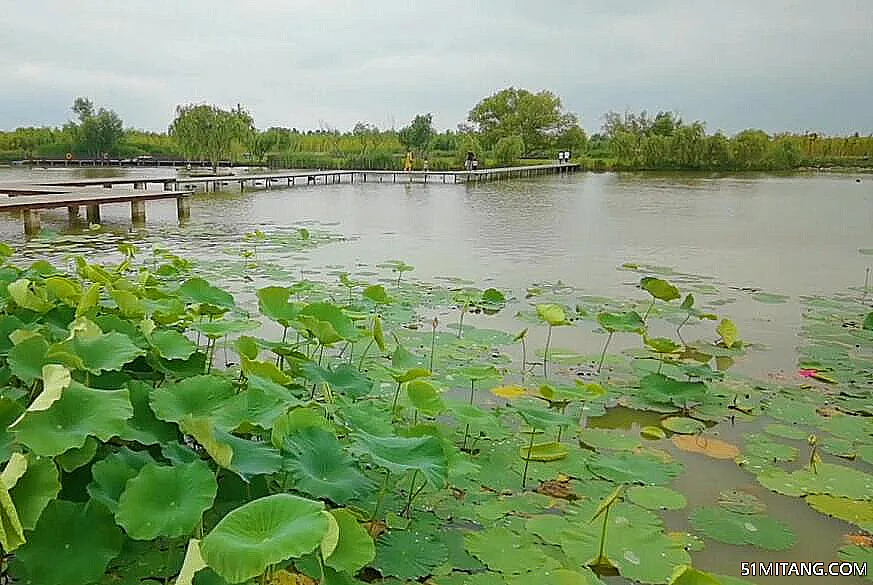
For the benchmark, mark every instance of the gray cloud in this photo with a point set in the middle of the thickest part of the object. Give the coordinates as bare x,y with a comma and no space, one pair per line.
774,64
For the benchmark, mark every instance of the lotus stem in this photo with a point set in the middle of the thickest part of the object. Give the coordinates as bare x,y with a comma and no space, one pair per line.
467,427
546,356
866,280
649,310
433,342
679,329
380,497
601,559
407,511
364,355
320,353
396,397
461,321
603,353
523,356
527,459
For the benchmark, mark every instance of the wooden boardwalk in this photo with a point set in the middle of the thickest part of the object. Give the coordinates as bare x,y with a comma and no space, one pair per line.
29,198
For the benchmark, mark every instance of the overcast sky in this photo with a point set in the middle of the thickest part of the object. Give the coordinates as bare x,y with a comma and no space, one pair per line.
773,64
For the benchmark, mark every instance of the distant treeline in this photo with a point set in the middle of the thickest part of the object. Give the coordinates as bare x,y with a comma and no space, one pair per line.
510,127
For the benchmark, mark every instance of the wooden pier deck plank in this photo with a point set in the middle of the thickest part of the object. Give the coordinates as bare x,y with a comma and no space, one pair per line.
85,197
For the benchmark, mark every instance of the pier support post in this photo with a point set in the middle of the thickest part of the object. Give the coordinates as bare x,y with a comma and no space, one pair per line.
93,213
31,222
183,208
137,212
73,213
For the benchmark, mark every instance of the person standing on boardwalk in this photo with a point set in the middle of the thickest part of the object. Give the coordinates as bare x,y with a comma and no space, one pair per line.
468,164
407,164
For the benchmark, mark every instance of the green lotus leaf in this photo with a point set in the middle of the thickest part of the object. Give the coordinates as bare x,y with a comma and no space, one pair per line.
265,369
144,427
349,381
38,486
860,555
733,528
261,533
508,552
71,545
111,474
80,412
273,303
655,497
55,378
192,564
297,420
550,451
857,512
409,554
319,314
321,468
72,459
221,327
14,469
662,344
403,376
89,300
377,294
166,500
425,397
634,468
865,452
786,432
741,502
199,396
129,305
172,345
661,389
480,419
761,446
107,351
850,428
728,331
260,404
247,347
792,410
628,322
659,288
249,457
554,315
478,372
541,419
652,433
687,575
27,358
683,425
29,295
400,454
8,324
199,291
830,479
355,548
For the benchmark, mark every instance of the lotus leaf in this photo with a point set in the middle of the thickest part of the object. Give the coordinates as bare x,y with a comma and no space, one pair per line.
273,303
111,474
27,358
400,454
859,555
248,457
480,419
261,533
687,575
509,392
550,451
857,512
733,528
166,500
683,425
654,497
80,412
72,544
221,327
786,432
659,388
741,502
634,468
728,331
349,381
377,294
193,562
172,345
792,410
711,447
74,458
199,291
608,439
425,397
328,323
540,419
508,552
761,446
129,305
851,428
355,547
107,351
652,433
264,369
143,427
29,295
409,554
629,322
830,479
14,469
662,344
34,490
321,468
200,396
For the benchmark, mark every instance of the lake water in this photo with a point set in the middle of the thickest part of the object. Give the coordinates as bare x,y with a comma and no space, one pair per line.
790,235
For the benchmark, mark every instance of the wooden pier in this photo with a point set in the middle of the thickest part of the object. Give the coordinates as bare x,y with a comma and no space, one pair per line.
72,193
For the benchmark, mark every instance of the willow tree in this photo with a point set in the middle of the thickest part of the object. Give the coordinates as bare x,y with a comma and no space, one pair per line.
211,133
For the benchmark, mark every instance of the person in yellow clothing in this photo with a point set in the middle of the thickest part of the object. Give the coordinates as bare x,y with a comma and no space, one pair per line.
407,164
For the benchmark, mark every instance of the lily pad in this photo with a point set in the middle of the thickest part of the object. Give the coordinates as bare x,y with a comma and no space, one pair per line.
355,547
761,446
655,497
321,468
508,552
741,502
409,554
830,479
550,451
857,512
600,439
683,425
715,448
734,528
400,454
634,468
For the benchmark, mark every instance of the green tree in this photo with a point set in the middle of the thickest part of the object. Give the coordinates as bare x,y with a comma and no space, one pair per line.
508,150
749,148
98,131
211,133
537,117
417,136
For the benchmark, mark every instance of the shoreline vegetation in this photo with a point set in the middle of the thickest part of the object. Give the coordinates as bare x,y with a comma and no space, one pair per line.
511,127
